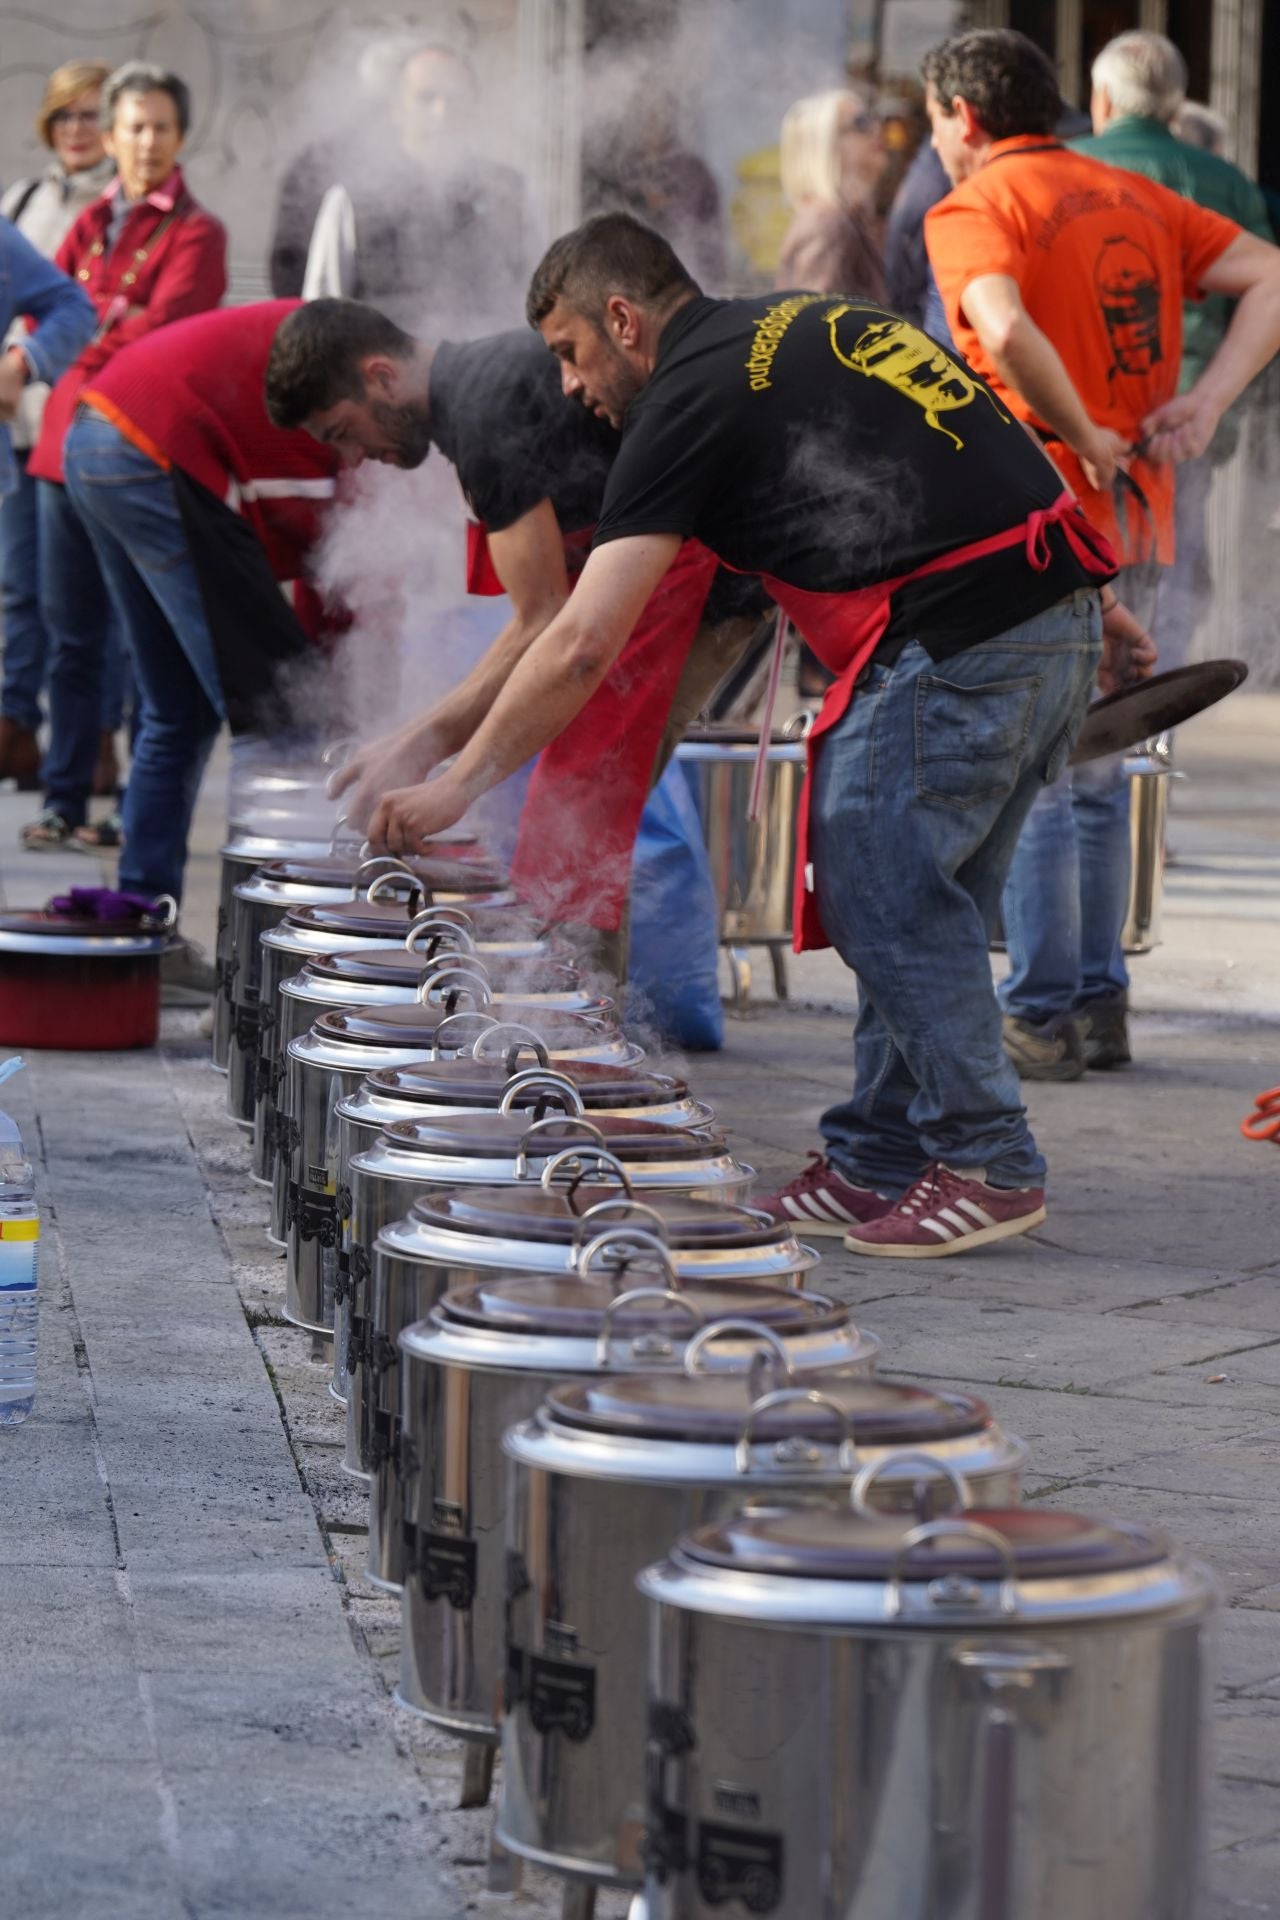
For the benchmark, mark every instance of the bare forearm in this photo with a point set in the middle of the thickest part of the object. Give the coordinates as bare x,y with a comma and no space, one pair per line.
1028,363
1250,342
551,683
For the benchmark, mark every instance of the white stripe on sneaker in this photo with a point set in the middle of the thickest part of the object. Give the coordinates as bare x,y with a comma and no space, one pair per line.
954,1219
977,1213
936,1226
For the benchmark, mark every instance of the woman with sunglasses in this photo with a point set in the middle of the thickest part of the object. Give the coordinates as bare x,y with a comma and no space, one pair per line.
833,154
44,207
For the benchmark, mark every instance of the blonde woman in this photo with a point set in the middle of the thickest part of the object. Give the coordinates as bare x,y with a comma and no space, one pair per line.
43,207
833,154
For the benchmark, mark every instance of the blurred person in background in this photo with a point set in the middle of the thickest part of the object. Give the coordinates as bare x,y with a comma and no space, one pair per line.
42,207
1198,124
833,155
636,162
913,291
1063,282
1139,88
196,509
30,284
146,254
425,224
329,157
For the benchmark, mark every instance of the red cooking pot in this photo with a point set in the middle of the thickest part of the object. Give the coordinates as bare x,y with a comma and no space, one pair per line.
78,983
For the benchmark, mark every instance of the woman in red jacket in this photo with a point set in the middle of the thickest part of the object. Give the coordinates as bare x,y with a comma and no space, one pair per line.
146,254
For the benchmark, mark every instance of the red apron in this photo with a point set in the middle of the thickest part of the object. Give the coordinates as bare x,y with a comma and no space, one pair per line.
588,790
844,630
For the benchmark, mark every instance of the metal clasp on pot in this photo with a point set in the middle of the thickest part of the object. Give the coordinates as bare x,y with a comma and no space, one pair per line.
902,1457
483,1021
955,1592
650,1346
546,1081
794,1449
765,1337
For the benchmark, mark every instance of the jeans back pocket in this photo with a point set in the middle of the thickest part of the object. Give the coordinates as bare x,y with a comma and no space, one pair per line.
971,739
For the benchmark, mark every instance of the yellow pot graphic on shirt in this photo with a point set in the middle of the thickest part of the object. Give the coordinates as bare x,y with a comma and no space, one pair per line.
892,350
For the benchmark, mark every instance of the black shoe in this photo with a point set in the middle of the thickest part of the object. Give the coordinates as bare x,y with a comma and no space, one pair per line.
1044,1050
1104,1029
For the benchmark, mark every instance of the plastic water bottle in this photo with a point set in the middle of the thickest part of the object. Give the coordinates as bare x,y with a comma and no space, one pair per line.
19,1264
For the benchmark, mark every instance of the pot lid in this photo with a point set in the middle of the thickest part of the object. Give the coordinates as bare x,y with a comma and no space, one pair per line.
565,1307
528,1213
499,1136
413,1025
831,1543
711,1409
382,919
339,870
465,1082
251,849
51,934
397,967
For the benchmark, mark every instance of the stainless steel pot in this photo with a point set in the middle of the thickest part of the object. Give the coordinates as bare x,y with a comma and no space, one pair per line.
261,902
752,861
605,1477
484,1359
467,1085
993,1716
325,1066
302,937
243,854
1150,773
385,1181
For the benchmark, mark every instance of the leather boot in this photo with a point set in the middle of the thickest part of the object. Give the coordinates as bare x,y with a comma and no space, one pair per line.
106,775
19,755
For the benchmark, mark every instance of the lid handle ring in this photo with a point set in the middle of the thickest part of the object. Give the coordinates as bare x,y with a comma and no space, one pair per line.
520,1039
620,1300
631,1210
628,1242
937,1469
573,1124
441,930
163,915
454,981
847,1456
578,1163
440,1038
375,866
338,838
957,1527
545,1081
764,1336
419,896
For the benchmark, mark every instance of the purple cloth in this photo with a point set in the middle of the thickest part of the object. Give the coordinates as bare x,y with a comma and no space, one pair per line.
105,904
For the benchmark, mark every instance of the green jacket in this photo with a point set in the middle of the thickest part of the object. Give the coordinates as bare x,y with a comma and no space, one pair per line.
1145,146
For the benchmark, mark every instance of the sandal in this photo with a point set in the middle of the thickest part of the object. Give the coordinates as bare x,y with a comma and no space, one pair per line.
45,833
101,836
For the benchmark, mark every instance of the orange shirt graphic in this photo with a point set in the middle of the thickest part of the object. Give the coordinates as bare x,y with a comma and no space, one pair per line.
1103,260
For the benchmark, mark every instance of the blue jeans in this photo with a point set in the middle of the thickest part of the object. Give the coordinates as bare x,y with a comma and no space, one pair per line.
919,795
1067,896
130,513
26,638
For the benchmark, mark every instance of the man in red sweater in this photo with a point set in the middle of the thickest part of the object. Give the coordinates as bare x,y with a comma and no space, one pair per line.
197,508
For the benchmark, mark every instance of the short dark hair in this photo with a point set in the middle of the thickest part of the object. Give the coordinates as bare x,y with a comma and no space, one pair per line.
610,253
1010,84
316,354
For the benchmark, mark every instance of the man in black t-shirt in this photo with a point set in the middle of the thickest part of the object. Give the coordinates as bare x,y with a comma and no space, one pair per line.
928,553
532,468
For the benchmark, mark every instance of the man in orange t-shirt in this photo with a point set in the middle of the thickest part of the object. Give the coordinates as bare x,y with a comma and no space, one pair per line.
1063,281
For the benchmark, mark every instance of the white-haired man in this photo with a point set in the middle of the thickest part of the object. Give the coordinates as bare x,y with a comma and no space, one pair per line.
1139,86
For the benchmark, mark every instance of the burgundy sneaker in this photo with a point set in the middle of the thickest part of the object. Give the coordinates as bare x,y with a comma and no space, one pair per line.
820,1201
948,1211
